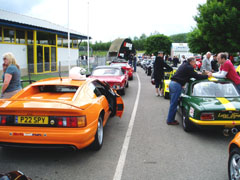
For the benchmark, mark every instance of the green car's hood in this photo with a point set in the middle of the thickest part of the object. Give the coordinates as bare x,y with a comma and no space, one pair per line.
214,104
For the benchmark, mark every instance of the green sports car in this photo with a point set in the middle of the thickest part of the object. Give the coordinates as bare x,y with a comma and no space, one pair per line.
210,102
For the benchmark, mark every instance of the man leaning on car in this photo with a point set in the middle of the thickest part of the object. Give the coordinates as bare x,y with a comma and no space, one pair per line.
227,70
179,79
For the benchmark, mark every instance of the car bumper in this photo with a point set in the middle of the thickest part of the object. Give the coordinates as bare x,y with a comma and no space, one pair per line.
227,123
47,137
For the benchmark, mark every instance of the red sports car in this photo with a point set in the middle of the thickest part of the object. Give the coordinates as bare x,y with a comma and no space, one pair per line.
116,77
124,65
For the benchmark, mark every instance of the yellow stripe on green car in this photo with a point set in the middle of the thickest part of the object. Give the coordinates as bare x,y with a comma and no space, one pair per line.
212,79
227,104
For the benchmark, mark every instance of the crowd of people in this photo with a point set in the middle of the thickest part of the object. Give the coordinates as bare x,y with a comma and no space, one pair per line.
220,67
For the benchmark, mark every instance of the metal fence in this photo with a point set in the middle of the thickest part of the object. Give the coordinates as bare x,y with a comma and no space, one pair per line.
93,62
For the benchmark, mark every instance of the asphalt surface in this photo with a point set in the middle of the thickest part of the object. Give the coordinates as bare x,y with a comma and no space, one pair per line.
156,151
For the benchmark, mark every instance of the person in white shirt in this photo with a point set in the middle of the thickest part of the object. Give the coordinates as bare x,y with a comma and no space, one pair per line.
206,63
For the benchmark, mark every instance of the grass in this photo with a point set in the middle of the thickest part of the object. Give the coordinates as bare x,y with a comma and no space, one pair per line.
35,77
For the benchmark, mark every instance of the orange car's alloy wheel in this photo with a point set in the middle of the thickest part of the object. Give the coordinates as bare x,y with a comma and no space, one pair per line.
97,143
234,165
100,132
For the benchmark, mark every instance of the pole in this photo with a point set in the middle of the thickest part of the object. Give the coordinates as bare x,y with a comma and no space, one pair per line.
68,40
88,35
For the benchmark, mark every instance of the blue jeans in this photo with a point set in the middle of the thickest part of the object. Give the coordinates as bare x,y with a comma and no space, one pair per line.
175,92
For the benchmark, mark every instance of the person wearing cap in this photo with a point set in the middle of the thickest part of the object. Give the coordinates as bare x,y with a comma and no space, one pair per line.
214,63
158,72
179,79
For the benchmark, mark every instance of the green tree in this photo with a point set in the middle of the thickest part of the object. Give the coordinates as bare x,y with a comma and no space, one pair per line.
196,42
157,43
179,38
219,24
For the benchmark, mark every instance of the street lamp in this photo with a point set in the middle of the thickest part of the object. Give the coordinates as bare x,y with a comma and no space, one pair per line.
88,35
68,40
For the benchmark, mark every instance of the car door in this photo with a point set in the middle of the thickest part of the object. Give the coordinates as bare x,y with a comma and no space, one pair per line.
115,101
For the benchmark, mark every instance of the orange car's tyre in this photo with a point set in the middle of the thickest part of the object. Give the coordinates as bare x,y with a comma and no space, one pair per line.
97,143
234,164
187,125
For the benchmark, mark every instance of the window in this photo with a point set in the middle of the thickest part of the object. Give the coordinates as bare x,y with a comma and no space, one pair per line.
0,34
65,42
30,37
212,89
53,59
9,35
30,58
58,89
75,43
107,72
20,37
46,38
59,41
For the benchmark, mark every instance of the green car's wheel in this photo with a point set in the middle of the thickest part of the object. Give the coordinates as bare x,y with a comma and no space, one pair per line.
97,143
234,164
186,123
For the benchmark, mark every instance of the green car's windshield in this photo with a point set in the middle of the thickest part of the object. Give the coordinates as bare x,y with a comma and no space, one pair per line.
214,89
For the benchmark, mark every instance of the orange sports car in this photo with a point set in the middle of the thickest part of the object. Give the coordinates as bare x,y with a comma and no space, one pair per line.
58,112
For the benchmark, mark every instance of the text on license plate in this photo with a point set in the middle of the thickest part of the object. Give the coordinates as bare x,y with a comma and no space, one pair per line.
31,120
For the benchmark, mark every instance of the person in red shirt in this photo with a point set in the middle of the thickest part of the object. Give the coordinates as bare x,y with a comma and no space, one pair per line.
227,70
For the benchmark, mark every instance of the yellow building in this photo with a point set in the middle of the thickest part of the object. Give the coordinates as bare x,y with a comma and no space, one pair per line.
38,45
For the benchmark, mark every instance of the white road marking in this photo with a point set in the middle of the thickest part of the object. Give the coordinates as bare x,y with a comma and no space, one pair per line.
122,158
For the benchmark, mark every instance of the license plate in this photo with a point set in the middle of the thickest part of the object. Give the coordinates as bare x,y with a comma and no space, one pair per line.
229,115
31,119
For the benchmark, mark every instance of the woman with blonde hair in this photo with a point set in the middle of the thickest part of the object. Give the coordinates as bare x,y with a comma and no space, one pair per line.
11,76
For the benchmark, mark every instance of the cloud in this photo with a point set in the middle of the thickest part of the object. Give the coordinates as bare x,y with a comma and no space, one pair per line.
18,6
110,19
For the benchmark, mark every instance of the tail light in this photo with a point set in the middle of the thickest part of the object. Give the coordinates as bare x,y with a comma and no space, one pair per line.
71,121
3,120
207,116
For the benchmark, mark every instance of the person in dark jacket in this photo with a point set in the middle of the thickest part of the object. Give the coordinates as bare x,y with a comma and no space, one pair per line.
214,63
175,61
180,78
158,72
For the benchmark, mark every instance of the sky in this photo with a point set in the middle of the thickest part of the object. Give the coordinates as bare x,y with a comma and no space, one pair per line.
107,20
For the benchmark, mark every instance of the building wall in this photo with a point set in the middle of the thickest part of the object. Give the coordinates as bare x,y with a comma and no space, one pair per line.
62,55
20,53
